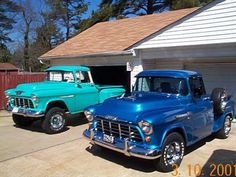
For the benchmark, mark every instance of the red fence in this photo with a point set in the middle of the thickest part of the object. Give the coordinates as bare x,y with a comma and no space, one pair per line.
11,81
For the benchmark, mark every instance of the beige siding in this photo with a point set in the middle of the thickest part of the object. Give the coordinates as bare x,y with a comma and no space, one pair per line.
95,61
157,64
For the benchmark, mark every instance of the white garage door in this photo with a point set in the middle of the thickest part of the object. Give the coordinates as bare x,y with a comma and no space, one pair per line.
217,75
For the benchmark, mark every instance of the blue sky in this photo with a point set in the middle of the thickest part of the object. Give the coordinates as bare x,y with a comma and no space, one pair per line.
38,6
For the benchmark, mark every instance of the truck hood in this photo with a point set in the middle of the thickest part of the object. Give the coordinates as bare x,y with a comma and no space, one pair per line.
130,108
29,88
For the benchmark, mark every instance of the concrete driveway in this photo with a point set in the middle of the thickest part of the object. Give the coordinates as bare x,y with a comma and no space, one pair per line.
30,152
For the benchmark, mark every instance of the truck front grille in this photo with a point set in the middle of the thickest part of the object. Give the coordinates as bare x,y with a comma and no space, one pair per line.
23,102
119,130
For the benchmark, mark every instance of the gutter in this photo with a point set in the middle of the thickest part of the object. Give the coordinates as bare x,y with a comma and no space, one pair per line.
93,55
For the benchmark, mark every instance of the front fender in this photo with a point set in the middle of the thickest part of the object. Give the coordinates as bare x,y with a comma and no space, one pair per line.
164,121
44,107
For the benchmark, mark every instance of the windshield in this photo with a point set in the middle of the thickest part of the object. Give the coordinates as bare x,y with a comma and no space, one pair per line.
61,76
161,84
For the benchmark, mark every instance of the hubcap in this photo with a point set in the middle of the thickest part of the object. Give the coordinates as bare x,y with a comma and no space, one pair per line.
57,121
173,153
227,126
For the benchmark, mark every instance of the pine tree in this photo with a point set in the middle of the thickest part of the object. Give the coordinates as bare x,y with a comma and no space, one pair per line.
68,13
6,22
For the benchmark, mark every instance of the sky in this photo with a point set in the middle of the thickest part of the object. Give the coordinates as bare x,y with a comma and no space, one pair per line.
38,5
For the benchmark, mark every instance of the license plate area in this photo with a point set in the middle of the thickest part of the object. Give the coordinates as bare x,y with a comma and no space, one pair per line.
108,138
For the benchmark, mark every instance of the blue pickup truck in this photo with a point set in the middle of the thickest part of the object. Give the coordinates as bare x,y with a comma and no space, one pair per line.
167,111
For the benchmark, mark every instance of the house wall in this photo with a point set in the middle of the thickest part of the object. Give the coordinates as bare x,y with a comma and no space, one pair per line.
213,24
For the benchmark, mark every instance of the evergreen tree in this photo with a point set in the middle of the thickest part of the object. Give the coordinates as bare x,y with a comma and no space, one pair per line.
68,13
6,22
117,9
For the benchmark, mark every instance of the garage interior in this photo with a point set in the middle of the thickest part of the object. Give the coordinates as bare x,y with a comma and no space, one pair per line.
111,75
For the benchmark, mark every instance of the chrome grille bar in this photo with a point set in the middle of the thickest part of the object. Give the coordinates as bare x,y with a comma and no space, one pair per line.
117,129
23,102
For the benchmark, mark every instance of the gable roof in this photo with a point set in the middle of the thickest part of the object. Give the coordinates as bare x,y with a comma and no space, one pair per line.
115,36
7,66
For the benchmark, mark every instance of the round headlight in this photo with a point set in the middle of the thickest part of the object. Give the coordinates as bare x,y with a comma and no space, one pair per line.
146,127
6,95
34,98
88,115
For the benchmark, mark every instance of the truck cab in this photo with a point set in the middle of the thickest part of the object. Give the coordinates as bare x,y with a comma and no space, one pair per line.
167,111
66,90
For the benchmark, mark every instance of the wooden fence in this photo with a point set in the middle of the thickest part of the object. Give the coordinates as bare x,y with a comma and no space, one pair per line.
11,81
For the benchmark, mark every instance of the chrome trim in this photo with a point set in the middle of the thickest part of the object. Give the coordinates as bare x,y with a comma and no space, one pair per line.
29,115
183,116
118,129
128,150
27,112
67,96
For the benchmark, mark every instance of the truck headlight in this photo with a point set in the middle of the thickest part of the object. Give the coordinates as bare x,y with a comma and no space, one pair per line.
146,127
35,98
7,96
88,115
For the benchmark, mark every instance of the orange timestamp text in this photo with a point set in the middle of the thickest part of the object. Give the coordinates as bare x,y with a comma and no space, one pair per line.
215,170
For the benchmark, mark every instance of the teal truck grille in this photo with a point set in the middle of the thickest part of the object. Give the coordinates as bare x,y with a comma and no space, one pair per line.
23,102
119,130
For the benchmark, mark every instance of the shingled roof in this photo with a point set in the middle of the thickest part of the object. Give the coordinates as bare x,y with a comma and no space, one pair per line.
8,66
115,36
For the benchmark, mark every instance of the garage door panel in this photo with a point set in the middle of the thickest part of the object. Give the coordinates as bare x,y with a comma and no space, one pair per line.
216,75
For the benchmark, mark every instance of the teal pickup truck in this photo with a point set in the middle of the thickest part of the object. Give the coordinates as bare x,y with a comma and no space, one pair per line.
66,90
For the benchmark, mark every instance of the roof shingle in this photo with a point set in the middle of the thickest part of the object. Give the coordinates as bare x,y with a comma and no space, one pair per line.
7,66
115,36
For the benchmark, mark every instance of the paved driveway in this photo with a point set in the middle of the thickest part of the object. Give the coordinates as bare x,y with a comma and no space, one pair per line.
30,152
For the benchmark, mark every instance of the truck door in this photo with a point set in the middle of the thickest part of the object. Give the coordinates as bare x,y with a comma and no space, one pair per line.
201,108
87,93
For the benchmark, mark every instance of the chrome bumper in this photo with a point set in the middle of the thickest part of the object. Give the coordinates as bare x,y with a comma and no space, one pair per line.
125,147
25,112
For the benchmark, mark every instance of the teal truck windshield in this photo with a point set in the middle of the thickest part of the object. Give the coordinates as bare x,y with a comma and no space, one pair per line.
162,85
60,76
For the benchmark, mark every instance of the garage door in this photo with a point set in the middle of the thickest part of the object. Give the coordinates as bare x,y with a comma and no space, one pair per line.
111,75
217,75
156,64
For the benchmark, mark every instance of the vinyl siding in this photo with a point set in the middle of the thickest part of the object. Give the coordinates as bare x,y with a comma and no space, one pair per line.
214,24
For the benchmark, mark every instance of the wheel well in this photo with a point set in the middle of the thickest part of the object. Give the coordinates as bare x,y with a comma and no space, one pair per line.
230,115
178,130
59,104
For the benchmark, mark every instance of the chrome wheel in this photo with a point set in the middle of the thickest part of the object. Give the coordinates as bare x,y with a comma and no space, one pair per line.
227,126
57,121
173,153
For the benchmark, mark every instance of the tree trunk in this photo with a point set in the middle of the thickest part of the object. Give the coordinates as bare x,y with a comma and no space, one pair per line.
67,21
150,7
26,42
26,48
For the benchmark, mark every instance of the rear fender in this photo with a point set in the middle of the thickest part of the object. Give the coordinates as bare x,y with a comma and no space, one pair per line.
109,93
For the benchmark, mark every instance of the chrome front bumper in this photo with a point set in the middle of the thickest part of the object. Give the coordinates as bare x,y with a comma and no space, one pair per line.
124,147
25,112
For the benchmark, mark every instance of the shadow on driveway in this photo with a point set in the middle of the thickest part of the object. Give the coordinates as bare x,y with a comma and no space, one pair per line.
75,120
136,163
221,163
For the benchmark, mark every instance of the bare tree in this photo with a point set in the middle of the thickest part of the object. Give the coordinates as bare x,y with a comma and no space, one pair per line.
28,17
